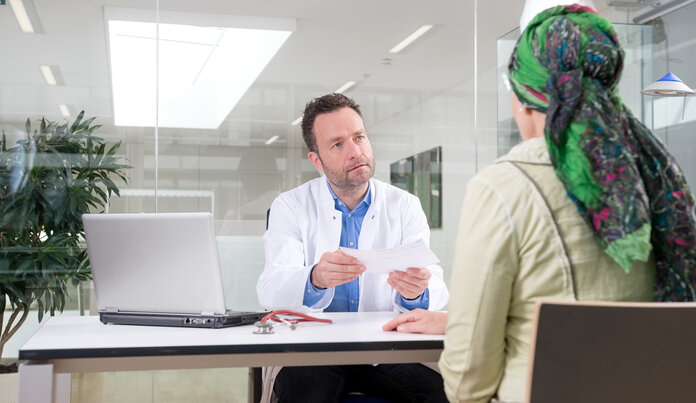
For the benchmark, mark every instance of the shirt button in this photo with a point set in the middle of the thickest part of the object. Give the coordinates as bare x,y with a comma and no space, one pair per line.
349,215
352,301
350,243
340,204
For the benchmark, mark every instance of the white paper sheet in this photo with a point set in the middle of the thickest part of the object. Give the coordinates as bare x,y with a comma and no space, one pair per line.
416,254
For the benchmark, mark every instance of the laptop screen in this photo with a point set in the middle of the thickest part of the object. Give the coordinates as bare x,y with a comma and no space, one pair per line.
154,263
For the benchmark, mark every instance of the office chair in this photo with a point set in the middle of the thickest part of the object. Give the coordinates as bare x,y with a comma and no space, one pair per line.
613,352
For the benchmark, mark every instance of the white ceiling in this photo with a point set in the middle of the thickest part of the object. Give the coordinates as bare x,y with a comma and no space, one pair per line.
335,41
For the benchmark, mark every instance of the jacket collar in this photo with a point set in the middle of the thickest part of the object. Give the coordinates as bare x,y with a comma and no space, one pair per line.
533,151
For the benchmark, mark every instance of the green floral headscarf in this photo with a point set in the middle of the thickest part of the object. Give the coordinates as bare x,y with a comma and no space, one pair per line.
626,185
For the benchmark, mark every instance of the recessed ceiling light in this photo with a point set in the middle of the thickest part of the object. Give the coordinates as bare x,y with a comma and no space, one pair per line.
297,121
64,110
26,15
206,65
345,87
49,73
271,140
411,38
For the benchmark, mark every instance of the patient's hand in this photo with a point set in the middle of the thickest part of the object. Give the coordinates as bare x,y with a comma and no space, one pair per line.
410,283
418,321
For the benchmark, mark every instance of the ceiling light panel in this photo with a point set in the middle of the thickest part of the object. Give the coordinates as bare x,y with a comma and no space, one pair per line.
297,121
52,75
26,15
411,38
203,70
64,110
345,87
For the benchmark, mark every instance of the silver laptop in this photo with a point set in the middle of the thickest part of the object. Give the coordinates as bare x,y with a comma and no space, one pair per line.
158,270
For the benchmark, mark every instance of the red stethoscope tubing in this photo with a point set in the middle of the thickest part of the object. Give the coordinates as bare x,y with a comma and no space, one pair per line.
300,317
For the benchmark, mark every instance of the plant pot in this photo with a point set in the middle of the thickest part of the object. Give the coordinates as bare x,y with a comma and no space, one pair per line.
9,384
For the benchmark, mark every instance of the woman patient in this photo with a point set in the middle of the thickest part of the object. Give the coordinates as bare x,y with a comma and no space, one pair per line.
590,206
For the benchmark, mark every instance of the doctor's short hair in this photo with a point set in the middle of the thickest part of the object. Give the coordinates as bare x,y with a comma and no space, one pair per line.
324,104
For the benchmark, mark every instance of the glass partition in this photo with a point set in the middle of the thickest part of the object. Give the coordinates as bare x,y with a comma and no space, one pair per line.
675,117
56,66
508,134
164,78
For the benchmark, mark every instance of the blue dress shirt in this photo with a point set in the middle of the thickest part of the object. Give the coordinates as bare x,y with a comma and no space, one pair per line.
347,296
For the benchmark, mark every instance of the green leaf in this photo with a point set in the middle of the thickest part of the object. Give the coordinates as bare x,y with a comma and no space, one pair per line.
76,124
16,295
114,148
23,267
89,121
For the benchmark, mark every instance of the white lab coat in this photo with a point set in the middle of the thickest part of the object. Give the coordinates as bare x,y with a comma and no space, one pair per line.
304,224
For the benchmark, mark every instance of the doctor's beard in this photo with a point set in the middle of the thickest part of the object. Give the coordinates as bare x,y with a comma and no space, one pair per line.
350,177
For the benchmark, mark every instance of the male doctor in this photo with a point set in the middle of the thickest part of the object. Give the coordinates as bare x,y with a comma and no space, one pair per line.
305,268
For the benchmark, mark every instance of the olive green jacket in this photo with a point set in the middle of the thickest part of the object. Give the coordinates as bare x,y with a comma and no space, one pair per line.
516,246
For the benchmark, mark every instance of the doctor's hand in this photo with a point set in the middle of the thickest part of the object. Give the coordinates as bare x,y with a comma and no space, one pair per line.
335,268
418,321
411,283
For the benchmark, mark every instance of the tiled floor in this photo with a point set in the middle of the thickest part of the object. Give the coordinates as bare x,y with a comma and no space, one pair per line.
179,386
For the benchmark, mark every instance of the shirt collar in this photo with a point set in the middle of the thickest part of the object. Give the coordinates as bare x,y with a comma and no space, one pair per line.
367,200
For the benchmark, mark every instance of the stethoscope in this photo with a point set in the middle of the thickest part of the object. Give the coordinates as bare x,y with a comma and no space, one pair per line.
265,325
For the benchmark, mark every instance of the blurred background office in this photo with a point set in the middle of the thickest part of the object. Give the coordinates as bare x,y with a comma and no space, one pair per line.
206,98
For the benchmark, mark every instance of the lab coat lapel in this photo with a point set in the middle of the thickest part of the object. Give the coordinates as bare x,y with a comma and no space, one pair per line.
328,235
368,231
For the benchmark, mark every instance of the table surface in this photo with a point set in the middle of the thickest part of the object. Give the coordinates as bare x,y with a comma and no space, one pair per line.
86,337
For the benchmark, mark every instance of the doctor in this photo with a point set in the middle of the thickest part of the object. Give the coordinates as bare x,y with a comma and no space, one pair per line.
305,268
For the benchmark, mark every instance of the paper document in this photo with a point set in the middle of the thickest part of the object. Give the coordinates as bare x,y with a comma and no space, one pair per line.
401,258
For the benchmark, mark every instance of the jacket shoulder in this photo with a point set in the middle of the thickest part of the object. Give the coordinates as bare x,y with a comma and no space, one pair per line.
499,174
505,184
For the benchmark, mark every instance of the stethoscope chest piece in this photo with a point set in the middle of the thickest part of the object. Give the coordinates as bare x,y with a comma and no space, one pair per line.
263,328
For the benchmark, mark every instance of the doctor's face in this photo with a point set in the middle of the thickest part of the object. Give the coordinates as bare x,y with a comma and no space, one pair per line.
343,152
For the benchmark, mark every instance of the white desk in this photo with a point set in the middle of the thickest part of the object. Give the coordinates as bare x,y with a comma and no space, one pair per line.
83,344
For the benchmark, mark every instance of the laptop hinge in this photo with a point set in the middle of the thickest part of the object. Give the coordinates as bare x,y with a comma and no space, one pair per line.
207,313
111,309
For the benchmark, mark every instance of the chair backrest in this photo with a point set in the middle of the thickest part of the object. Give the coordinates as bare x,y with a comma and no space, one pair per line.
613,352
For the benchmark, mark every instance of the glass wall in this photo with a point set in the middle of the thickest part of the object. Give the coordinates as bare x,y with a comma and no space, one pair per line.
675,118
56,65
164,78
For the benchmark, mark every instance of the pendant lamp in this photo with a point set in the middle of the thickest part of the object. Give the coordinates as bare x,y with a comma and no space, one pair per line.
669,86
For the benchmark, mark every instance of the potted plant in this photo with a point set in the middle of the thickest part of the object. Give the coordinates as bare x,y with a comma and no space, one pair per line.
47,181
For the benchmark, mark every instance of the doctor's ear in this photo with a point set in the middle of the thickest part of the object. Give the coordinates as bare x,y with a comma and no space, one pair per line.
315,160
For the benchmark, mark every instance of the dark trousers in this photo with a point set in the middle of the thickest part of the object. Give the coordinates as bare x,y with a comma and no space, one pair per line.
402,383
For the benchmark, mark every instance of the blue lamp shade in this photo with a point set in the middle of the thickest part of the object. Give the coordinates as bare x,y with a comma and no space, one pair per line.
668,86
